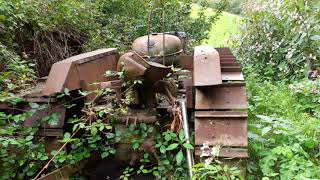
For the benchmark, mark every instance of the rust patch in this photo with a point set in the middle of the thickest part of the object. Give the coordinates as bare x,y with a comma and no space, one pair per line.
206,66
225,96
87,68
224,131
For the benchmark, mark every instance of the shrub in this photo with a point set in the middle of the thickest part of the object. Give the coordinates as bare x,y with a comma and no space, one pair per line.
284,134
14,73
50,31
307,94
280,39
47,31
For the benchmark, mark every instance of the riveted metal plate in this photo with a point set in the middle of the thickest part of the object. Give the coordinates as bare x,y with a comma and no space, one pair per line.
224,131
225,96
206,66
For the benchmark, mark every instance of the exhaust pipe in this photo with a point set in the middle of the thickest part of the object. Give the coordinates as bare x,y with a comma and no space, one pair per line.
186,132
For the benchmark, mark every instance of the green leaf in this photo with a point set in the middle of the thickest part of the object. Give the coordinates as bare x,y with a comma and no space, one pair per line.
179,157
167,137
29,138
67,135
101,128
172,146
54,119
135,146
144,171
166,162
150,130
265,130
310,143
75,127
181,135
43,158
93,130
66,91
188,146
163,149
265,118
104,154
155,173
315,37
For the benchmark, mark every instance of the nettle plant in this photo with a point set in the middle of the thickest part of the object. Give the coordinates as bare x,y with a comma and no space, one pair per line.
284,150
280,39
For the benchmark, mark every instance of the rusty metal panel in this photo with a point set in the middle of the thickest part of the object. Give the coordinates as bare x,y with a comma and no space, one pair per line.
225,59
38,115
58,76
224,51
224,131
186,62
225,96
228,63
231,68
227,152
65,74
52,144
4,106
206,66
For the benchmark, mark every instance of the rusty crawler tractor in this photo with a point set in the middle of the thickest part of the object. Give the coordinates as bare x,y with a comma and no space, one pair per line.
212,99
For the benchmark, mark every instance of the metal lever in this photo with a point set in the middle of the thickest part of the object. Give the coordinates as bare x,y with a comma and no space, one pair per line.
186,132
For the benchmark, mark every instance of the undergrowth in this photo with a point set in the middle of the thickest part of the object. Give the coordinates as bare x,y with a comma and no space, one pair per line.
284,130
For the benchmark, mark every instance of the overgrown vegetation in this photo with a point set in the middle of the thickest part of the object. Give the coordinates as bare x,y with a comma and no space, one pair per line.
278,46
280,39
232,6
284,133
45,32
36,34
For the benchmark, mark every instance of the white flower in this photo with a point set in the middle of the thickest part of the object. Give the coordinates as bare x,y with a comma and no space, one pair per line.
215,151
205,150
208,161
204,146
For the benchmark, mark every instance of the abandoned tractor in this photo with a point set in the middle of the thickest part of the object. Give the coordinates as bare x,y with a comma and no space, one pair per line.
207,98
